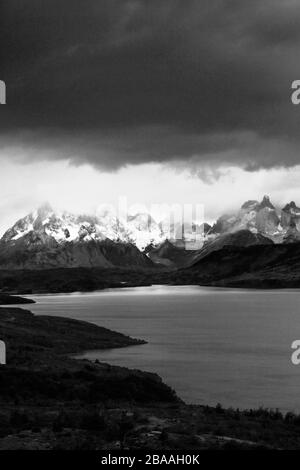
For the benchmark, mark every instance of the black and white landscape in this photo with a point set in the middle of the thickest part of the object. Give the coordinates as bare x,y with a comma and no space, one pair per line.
149,225
256,246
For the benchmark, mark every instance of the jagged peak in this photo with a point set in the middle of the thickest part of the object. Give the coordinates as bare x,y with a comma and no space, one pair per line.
291,205
251,204
266,203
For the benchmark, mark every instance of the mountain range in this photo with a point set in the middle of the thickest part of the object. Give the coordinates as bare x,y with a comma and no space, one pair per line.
264,218
46,239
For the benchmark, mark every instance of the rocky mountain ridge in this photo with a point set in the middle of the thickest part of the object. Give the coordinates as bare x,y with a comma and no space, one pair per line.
263,218
49,239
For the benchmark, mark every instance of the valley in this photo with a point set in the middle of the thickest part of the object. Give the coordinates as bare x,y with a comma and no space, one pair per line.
59,252
54,401
51,401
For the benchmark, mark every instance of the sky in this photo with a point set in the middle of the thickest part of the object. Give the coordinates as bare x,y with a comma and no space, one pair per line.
163,101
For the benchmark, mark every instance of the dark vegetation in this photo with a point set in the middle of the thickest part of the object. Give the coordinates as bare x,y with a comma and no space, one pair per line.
164,426
257,266
6,299
260,266
71,279
41,379
39,367
50,400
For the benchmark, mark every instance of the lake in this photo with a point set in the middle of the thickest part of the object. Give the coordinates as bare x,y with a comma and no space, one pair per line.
210,344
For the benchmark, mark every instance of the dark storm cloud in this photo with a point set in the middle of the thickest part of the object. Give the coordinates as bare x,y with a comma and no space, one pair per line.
113,82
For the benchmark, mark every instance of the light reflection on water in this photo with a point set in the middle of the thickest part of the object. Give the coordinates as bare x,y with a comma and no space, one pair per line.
211,345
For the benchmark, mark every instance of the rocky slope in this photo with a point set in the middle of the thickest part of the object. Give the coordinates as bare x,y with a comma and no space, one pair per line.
171,256
47,239
264,218
40,251
62,227
43,240
258,217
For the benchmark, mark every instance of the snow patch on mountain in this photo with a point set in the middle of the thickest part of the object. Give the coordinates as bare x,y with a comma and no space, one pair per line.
46,225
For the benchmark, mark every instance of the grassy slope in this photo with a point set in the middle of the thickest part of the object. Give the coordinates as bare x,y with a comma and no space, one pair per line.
39,366
49,400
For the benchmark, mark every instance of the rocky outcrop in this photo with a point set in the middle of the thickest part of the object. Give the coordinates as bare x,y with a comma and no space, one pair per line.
41,251
258,217
290,214
292,234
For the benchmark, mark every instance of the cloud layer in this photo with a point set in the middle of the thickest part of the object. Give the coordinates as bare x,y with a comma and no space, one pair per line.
118,82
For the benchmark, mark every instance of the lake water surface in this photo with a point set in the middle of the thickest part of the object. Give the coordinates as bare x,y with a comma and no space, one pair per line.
211,345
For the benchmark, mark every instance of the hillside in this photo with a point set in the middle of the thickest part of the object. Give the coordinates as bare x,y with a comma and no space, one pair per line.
52,401
258,266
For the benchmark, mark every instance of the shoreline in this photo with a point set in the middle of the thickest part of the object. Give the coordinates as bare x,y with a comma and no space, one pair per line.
210,273
52,401
255,286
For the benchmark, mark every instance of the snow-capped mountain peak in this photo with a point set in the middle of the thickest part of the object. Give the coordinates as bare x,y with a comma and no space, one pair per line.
61,226
258,217
46,225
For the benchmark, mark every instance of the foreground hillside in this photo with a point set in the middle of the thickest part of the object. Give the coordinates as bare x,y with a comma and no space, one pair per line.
52,401
41,381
